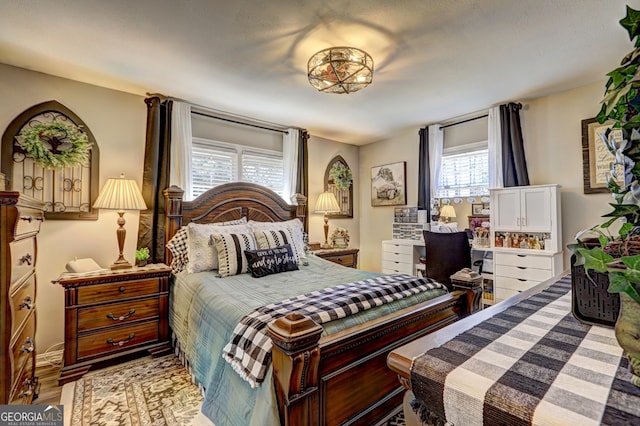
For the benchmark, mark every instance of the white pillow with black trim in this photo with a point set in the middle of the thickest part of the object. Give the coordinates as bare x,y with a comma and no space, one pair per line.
296,237
203,255
231,248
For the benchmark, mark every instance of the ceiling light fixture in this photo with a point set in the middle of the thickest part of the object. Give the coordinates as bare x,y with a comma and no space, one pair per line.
340,70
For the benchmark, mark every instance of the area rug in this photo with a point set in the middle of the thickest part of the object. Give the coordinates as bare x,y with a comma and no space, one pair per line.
147,391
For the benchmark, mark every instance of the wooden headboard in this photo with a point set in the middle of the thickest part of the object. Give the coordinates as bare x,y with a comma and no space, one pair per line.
228,202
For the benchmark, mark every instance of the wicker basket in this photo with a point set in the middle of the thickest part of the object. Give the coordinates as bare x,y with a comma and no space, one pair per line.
627,247
592,303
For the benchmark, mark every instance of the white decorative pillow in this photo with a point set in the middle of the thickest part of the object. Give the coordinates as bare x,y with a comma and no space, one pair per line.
268,239
203,255
297,233
231,248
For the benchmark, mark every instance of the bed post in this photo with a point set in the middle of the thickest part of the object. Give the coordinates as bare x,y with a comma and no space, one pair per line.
301,210
173,216
296,357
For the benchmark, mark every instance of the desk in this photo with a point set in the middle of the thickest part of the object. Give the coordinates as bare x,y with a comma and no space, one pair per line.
523,361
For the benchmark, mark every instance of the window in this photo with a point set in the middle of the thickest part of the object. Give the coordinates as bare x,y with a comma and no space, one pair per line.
215,163
464,171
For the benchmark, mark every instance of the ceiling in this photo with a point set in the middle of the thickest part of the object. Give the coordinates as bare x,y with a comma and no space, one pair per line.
434,59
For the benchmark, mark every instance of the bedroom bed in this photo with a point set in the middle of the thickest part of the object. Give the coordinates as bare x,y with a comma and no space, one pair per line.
318,375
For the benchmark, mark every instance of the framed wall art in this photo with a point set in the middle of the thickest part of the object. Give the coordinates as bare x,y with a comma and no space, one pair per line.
389,184
596,158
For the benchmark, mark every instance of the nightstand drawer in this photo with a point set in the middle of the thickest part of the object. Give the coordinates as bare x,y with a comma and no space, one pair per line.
23,301
344,259
24,387
117,313
23,258
116,291
117,339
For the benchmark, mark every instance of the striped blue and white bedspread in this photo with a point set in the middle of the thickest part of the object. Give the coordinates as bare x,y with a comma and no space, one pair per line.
534,363
249,350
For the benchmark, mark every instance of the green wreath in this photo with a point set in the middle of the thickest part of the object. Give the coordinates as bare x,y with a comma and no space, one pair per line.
41,142
341,176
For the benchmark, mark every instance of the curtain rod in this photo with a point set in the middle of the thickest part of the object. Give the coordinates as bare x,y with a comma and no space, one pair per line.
465,121
239,122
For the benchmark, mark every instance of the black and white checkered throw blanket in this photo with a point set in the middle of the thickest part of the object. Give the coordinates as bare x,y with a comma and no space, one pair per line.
533,363
249,351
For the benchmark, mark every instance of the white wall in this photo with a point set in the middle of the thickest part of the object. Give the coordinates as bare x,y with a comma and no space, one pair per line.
321,151
553,146
117,120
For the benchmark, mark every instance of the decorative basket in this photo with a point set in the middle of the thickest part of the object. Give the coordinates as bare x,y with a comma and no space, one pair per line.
592,303
627,247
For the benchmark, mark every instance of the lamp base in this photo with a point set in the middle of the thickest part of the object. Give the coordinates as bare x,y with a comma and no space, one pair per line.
121,264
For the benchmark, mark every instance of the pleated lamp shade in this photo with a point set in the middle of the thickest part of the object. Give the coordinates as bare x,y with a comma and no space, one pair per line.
120,194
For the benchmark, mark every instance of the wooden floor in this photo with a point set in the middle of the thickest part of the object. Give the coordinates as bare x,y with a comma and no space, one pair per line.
49,389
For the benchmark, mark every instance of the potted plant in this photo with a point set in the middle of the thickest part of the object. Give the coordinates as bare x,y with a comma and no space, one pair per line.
618,254
142,256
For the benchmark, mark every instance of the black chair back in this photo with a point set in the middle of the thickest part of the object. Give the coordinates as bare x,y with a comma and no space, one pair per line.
446,253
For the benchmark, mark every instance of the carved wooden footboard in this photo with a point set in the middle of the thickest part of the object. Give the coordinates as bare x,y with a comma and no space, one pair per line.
337,379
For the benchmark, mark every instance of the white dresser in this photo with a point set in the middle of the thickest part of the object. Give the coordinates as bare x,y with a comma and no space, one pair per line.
402,256
519,270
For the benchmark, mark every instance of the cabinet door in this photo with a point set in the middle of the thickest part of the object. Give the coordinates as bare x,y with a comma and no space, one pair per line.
535,209
506,210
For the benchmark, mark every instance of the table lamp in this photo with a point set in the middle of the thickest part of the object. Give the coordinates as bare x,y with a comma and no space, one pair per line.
327,203
120,194
447,212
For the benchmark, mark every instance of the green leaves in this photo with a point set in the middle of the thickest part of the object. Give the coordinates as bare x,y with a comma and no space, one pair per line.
631,23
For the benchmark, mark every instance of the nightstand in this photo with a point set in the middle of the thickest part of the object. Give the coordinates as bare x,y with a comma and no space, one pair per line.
110,314
345,257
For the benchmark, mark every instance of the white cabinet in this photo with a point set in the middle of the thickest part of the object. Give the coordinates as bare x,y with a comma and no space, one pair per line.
528,209
401,256
528,213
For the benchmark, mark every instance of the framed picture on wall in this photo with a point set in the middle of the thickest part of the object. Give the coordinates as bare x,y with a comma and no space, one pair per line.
476,209
389,184
596,158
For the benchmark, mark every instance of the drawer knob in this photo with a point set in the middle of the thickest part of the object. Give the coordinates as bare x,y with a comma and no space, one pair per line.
26,303
28,345
121,342
121,317
122,289
26,259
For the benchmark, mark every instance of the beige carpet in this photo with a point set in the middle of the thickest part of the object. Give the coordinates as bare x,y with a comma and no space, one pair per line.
147,391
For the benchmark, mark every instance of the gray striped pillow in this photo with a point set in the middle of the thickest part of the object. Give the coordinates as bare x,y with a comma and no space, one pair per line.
267,239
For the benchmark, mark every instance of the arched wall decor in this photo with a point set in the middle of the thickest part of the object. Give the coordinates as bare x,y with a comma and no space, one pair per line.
68,193
344,196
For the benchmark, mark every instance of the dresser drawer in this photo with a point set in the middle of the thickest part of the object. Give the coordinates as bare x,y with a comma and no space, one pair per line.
514,283
115,291
504,293
23,258
525,260
398,257
344,260
522,272
29,221
117,339
23,301
24,387
23,347
389,267
117,313
397,248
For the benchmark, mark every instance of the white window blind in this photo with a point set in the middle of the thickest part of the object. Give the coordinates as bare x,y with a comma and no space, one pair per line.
464,173
215,163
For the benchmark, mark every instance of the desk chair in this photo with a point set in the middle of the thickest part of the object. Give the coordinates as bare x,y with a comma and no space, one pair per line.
446,254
